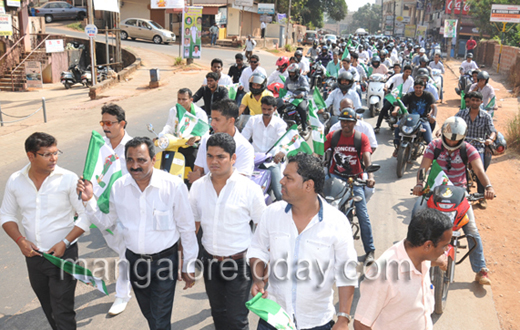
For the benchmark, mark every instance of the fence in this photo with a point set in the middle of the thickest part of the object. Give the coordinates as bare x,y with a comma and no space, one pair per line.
488,53
20,118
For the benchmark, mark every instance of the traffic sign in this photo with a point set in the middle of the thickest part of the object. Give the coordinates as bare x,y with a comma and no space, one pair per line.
91,30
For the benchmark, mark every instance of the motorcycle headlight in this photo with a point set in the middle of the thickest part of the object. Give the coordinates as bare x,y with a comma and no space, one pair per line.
407,129
163,142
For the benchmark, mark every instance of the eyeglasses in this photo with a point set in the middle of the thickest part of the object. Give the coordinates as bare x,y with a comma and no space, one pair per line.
253,62
108,123
49,154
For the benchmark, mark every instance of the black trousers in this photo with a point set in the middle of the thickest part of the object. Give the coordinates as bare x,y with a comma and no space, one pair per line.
384,113
54,289
190,154
302,111
154,283
228,284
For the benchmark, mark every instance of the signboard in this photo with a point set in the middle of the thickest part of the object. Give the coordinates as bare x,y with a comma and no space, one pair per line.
54,46
388,33
2,7
421,31
420,4
441,30
409,31
449,4
266,8
221,17
91,30
247,3
13,3
191,32
266,18
6,28
106,5
33,74
505,13
450,28
164,4
282,18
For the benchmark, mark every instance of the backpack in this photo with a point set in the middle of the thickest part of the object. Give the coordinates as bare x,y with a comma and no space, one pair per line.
463,153
357,144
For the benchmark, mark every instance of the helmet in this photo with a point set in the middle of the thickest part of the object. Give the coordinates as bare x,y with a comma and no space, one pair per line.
423,58
469,55
454,129
348,77
416,46
483,75
282,62
475,71
384,52
294,68
324,48
423,72
376,59
391,45
422,50
348,114
299,54
257,78
315,43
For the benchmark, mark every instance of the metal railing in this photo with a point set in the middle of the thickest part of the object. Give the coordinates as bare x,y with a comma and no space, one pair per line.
9,61
20,118
25,59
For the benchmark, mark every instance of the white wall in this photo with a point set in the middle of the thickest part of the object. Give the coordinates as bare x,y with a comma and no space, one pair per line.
233,26
135,9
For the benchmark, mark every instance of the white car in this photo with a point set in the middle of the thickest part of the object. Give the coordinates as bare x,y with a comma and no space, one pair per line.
333,39
139,28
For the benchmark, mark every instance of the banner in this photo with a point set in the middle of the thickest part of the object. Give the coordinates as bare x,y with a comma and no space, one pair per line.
107,5
6,28
164,4
2,7
54,46
450,28
13,3
191,32
282,18
266,8
33,74
465,10
409,31
421,31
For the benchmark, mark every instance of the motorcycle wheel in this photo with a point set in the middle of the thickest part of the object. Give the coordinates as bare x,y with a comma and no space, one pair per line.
402,158
441,283
372,110
67,85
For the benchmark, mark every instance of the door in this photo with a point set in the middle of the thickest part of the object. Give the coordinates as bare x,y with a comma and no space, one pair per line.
130,27
144,30
62,11
53,9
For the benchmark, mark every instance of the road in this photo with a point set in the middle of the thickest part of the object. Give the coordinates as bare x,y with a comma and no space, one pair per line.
469,305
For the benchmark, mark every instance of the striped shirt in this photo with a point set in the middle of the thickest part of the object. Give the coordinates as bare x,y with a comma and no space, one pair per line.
480,128
452,163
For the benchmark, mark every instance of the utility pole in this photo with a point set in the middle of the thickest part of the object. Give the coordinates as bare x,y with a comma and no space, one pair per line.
393,25
288,22
93,60
458,28
452,16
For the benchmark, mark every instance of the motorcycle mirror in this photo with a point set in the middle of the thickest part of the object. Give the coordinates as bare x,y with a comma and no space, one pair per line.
361,110
373,168
150,129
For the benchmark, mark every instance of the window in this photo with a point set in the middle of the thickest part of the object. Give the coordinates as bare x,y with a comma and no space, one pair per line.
130,22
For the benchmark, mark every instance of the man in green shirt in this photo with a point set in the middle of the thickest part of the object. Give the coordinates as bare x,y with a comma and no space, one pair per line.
334,65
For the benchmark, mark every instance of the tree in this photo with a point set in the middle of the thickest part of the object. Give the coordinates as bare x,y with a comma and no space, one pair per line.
480,11
367,17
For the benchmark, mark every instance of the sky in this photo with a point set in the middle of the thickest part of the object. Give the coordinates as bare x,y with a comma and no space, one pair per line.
354,5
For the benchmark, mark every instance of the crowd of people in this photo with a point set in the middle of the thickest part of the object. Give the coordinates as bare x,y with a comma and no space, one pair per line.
293,251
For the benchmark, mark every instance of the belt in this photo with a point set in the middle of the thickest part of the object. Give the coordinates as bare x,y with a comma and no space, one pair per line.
237,256
157,256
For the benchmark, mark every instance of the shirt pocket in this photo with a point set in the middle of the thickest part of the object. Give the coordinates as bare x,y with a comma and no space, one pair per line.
319,251
279,246
163,220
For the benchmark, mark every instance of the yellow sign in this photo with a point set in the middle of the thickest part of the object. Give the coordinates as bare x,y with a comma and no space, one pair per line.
409,31
399,18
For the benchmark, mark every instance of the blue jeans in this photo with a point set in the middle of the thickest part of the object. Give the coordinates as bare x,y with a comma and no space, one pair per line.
213,39
428,137
276,176
476,258
263,325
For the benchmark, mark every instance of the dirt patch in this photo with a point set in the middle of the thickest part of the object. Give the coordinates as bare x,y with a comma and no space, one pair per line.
499,224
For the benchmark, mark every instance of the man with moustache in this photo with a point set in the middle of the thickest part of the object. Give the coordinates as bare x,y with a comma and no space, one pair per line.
153,209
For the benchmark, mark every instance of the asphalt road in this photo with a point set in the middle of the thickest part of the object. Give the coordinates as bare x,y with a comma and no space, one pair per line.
469,305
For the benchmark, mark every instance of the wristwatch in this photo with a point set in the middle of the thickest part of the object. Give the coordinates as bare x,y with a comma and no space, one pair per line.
489,186
67,243
349,317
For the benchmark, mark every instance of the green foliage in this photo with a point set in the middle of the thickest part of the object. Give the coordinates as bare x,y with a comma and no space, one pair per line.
367,17
288,48
310,12
481,13
178,61
513,132
76,26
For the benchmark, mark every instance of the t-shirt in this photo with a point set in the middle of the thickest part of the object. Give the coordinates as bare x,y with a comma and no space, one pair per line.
255,107
418,104
457,170
348,153
471,44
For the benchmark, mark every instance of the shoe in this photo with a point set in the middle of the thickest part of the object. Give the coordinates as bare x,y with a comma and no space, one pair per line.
118,307
482,277
395,152
483,204
369,259
376,130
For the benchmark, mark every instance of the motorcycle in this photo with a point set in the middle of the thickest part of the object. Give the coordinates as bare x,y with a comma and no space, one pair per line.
340,193
170,159
290,115
71,77
86,77
262,176
329,84
412,143
375,93
275,89
437,79
464,83
316,74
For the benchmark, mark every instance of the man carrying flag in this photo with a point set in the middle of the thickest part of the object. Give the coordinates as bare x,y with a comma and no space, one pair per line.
45,196
488,92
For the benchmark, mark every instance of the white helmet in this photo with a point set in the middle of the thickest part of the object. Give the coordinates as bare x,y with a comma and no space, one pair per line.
454,129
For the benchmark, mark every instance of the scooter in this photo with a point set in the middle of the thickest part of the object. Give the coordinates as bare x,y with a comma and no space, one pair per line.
71,77
412,143
170,159
375,93
262,176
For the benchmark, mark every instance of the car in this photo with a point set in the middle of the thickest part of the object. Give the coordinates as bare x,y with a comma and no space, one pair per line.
139,28
60,10
333,39
309,38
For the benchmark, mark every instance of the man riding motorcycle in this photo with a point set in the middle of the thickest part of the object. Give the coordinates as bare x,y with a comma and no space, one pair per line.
377,67
282,63
482,86
423,64
303,62
314,50
297,87
422,73
324,56
468,64
450,152
344,90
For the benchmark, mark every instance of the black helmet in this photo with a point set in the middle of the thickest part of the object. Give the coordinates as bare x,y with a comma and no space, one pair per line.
483,75
294,68
423,72
315,43
348,77
257,78
298,54
469,55
376,59
348,114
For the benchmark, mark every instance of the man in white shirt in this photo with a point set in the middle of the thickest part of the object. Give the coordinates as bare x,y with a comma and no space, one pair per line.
469,64
436,63
224,115
346,67
344,90
265,131
363,55
153,208
217,66
249,47
262,27
309,247
224,203
354,57
248,72
44,194
113,121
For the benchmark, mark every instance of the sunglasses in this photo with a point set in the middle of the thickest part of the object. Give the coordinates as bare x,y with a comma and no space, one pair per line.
107,123
253,62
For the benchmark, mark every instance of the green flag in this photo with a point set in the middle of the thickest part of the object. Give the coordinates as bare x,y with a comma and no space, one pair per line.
364,67
489,107
270,312
318,99
282,77
82,274
436,177
188,124
402,108
370,71
291,143
318,136
395,94
232,91
102,168
346,54
462,101
296,102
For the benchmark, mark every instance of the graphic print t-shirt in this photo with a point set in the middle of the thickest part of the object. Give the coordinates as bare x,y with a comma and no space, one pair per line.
419,105
347,152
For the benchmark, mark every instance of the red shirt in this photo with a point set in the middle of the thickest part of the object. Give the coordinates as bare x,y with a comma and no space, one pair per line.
471,44
348,150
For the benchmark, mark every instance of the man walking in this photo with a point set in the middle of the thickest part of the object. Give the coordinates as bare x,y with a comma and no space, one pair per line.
214,34
262,27
44,194
223,204
308,245
153,208
471,44
250,46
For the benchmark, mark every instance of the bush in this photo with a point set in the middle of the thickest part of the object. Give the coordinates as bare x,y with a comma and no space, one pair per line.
76,26
513,132
288,48
178,61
